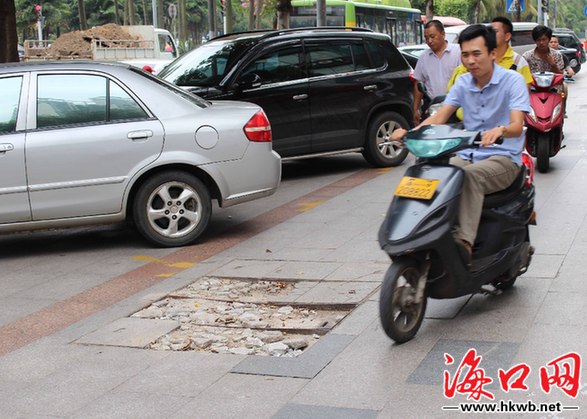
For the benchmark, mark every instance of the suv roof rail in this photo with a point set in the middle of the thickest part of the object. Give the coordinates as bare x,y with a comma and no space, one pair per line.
268,33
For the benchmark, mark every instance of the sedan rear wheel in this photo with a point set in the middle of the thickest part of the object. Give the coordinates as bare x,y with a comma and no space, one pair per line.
380,151
172,209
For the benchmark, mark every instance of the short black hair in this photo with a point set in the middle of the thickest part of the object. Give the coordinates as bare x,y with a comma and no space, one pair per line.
476,31
436,23
507,24
541,30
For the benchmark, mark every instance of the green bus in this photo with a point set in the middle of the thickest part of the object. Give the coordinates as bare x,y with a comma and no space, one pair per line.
394,17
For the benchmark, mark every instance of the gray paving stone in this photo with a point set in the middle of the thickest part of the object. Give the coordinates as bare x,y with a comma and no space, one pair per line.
81,382
130,332
183,374
304,270
329,292
494,355
307,365
358,320
296,411
243,268
544,265
122,404
370,371
241,396
370,272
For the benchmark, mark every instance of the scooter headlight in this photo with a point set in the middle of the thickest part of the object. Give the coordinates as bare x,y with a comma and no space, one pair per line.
543,80
556,111
431,148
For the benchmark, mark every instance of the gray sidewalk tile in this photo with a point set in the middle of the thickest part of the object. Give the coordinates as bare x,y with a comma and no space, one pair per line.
371,371
506,317
369,272
304,270
300,411
494,355
331,292
81,382
563,309
247,268
307,365
130,332
241,396
184,374
544,265
123,404
358,320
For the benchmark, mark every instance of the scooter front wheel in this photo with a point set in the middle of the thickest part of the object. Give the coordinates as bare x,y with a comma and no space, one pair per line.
401,310
543,153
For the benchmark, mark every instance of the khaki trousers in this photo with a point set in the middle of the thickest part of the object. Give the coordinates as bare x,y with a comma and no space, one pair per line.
481,178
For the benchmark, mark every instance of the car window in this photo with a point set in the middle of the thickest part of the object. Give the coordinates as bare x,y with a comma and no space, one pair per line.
522,38
277,66
9,100
205,66
375,49
567,41
122,106
81,99
336,59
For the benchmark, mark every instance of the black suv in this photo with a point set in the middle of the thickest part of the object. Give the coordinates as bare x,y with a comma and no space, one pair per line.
325,90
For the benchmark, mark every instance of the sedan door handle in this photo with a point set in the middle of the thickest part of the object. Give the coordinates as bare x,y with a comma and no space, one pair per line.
300,97
139,135
6,147
370,87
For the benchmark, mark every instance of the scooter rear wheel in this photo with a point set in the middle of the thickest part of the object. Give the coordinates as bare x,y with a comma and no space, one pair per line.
400,314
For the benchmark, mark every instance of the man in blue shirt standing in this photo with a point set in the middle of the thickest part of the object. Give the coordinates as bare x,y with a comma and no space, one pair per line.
494,101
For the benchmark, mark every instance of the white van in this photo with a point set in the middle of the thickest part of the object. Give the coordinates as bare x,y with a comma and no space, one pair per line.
521,38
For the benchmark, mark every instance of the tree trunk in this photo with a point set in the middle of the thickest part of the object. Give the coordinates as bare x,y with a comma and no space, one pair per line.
229,16
116,12
211,19
8,35
251,15
145,21
284,9
182,24
131,11
160,14
477,11
83,24
429,10
259,7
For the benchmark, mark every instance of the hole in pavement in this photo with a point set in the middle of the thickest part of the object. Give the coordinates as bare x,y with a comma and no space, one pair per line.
247,317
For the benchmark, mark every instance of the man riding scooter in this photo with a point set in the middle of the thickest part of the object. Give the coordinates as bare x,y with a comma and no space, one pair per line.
494,102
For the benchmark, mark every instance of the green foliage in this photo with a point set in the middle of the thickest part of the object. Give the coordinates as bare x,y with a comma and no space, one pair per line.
455,8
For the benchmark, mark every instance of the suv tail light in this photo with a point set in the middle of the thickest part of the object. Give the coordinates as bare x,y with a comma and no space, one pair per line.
258,129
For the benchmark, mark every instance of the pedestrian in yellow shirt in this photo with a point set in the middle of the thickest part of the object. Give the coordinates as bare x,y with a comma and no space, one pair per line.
506,57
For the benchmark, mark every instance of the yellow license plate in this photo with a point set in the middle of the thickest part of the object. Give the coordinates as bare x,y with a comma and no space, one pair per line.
416,188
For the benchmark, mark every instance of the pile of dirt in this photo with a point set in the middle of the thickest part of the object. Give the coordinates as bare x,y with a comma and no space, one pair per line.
78,44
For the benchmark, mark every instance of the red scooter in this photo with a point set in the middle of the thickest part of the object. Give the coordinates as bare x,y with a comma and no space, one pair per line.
545,120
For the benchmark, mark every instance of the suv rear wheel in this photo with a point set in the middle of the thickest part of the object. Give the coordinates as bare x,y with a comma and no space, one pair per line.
379,150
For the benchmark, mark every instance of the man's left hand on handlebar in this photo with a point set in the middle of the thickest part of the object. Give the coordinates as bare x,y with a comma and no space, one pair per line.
490,137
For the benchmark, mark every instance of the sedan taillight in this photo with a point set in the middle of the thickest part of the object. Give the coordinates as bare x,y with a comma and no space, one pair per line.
258,128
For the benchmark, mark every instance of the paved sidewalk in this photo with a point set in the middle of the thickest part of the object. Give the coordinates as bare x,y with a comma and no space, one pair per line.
93,365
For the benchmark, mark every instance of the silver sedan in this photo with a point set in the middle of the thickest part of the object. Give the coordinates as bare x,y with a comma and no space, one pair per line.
89,143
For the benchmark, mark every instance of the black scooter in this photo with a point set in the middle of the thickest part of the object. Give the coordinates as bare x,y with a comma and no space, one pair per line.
417,233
